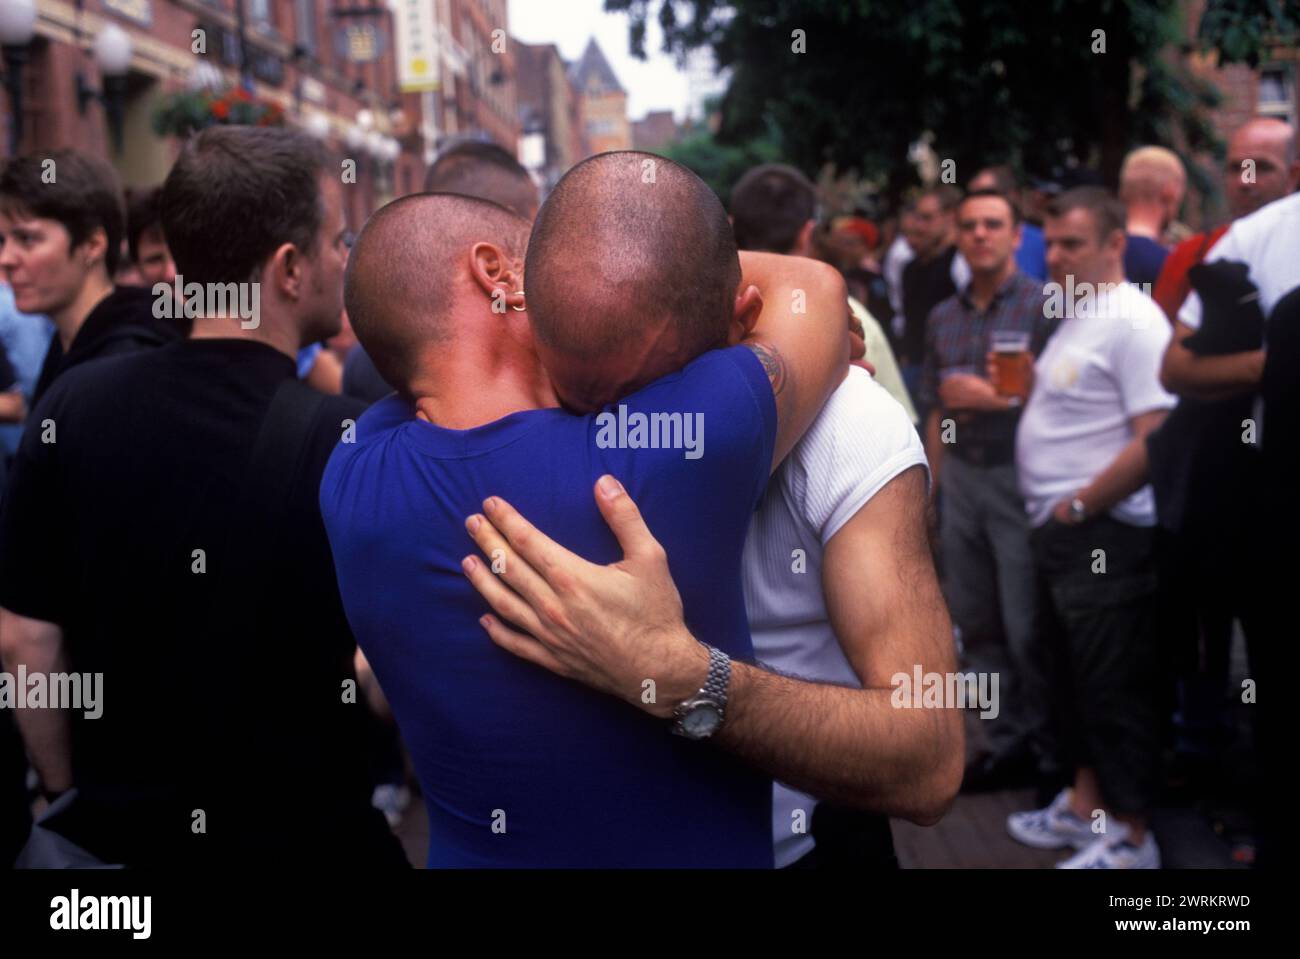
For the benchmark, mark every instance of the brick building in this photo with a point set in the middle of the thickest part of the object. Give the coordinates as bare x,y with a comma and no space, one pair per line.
549,109
603,102
655,131
1268,90
330,65
477,90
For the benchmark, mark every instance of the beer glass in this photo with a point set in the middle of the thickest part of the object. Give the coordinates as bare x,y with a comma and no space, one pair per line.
1013,361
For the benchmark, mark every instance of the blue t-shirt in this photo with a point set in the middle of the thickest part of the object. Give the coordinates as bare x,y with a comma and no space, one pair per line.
520,767
1031,257
1143,258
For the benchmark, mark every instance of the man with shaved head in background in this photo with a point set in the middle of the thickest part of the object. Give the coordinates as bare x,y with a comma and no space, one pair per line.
640,295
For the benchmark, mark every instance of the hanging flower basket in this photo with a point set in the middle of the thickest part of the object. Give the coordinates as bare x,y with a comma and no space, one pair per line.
184,113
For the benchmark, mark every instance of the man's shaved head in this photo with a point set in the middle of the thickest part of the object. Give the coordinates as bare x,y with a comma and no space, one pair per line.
485,170
1261,164
402,277
630,250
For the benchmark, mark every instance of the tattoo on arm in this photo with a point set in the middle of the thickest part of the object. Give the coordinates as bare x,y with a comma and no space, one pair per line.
773,363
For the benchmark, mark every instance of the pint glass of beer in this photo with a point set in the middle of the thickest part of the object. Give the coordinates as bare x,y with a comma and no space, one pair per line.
1012,360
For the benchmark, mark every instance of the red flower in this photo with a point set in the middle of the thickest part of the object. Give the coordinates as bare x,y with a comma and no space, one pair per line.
220,109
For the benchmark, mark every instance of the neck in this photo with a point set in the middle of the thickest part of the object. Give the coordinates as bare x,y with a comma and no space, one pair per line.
70,318
929,253
1146,219
466,388
985,283
279,336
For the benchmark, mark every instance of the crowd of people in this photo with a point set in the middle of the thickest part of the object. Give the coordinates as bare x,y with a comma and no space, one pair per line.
723,472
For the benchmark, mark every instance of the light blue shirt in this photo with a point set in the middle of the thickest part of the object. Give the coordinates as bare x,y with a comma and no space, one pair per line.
26,338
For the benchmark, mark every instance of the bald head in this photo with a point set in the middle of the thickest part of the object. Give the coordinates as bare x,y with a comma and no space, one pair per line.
631,248
1260,166
486,171
410,269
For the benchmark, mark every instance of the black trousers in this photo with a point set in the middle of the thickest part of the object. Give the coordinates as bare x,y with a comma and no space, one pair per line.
848,839
1097,588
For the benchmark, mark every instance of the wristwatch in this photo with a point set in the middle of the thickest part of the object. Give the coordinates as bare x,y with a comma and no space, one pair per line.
700,716
1078,512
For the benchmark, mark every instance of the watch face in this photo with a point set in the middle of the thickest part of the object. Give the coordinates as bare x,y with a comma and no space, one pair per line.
702,720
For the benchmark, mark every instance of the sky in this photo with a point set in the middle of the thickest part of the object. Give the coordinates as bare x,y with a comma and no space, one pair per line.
651,84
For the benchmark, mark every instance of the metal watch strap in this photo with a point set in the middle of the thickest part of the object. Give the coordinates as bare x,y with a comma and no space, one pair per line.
719,678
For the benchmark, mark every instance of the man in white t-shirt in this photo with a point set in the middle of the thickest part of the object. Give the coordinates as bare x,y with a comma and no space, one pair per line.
807,593
1082,463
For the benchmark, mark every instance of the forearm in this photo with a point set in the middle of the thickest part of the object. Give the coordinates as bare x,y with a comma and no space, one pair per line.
1211,377
46,732
1125,475
850,746
933,448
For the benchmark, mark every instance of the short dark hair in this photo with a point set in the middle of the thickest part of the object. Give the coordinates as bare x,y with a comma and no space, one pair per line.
1108,211
236,194
143,213
667,239
770,205
948,196
397,288
84,195
480,169
1004,178
998,194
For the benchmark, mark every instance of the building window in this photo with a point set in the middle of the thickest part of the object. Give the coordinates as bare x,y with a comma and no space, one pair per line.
1277,93
305,25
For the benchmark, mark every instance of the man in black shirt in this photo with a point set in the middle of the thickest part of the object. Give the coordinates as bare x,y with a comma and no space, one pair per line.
927,278
167,535
61,225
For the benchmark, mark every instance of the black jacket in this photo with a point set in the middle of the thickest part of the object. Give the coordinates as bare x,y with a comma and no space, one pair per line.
123,322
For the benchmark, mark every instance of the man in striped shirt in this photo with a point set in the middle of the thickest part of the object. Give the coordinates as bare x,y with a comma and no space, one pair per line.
970,442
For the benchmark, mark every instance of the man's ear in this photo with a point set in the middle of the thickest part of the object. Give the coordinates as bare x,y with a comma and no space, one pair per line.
497,275
744,314
803,245
95,247
284,271
1117,242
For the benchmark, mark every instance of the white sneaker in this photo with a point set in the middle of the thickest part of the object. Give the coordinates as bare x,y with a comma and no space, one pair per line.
1113,850
391,800
1055,827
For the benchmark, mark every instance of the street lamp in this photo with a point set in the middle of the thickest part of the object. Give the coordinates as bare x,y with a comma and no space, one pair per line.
317,125
17,27
113,56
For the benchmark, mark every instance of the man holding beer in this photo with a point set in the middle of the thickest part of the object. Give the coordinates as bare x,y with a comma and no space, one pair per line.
970,434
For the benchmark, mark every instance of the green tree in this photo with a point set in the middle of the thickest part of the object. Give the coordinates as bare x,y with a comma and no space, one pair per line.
1037,83
720,165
